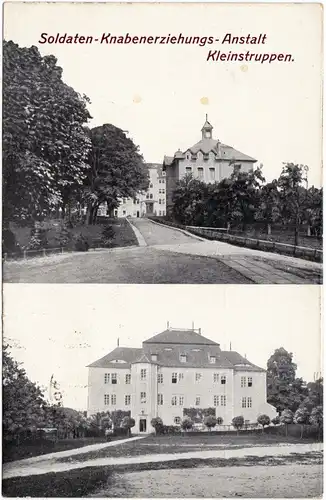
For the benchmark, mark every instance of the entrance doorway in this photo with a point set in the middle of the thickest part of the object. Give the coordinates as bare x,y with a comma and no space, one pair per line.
150,207
142,425
138,213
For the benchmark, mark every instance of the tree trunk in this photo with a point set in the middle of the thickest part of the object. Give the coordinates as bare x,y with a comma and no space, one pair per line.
309,230
302,428
269,229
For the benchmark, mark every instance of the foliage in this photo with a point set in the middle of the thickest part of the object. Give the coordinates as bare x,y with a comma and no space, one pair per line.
197,415
276,420
157,423
210,421
286,418
45,146
301,416
117,170
108,235
238,422
128,423
38,239
81,243
263,420
317,416
284,390
187,423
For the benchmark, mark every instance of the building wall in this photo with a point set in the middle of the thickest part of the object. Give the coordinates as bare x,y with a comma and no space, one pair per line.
186,387
212,170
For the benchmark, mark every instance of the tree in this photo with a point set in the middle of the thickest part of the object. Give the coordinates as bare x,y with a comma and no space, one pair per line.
263,420
286,418
290,186
128,423
276,420
23,401
238,422
189,200
269,205
45,145
187,423
301,417
157,423
210,422
284,390
117,170
316,418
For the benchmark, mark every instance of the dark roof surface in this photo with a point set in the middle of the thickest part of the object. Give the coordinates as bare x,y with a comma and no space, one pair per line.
127,354
173,336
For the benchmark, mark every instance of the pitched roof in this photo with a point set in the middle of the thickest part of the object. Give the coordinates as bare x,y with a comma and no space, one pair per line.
174,336
127,354
225,152
239,362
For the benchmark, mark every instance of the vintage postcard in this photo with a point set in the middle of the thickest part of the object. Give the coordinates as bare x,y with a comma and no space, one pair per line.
162,172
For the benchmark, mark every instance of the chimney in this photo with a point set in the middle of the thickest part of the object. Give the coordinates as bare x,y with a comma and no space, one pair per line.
168,325
230,346
193,325
199,331
118,342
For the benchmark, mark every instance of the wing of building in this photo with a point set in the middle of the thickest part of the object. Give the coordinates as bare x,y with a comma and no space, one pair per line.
208,160
175,370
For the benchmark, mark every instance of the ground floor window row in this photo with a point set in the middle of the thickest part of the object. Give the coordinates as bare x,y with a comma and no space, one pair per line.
218,400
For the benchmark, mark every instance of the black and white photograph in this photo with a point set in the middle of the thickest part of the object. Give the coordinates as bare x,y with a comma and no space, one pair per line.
133,155
166,400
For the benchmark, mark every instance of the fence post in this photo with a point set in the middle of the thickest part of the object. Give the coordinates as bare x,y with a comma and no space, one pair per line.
5,257
61,249
24,254
44,252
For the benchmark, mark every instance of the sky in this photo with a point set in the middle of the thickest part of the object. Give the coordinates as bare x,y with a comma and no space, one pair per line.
161,93
60,329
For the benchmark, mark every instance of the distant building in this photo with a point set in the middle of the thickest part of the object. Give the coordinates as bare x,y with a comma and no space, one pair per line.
174,370
152,202
208,160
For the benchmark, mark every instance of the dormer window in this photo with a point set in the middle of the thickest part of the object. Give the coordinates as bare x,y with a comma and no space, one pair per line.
183,358
188,156
212,359
154,357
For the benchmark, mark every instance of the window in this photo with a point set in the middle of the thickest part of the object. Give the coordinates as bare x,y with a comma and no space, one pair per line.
249,381
249,402
188,170
159,201
177,420
163,180
124,200
113,378
237,167
127,400
223,379
128,378
212,359
113,399
181,376
106,399
223,400
151,185
106,378
246,402
143,397
219,420
159,181
160,213
197,402
143,374
183,358
200,171
181,400
215,377
160,378
160,399
216,400
147,196
243,381
188,156
174,400
151,196
198,377
163,191
174,378
212,174
154,357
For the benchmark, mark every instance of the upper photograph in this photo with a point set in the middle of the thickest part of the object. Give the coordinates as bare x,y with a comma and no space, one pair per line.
138,149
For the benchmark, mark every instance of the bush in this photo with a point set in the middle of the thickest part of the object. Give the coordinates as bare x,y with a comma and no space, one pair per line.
63,236
276,420
81,243
210,421
157,423
9,243
127,423
38,239
263,420
187,423
238,422
108,235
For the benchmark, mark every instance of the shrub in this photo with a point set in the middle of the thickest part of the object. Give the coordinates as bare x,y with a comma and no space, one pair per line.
286,418
63,236
38,239
210,421
108,235
317,418
238,422
9,243
301,417
263,420
81,243
276,420
187,423
157,423
128,423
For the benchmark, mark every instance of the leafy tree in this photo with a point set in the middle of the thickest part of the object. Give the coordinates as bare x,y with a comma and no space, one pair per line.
286,418
189,198
317,418
128,423
263,420
45,146
315,391
312,210
157,423
290,185
284,390
187,423
117,170
23,401
269,205
210,422
301,417
276,420
238,422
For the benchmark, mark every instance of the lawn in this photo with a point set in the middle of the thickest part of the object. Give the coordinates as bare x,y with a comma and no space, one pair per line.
94,480
123,235
152,445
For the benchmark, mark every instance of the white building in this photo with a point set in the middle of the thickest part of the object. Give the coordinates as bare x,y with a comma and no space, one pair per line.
152,202
208,161
174,370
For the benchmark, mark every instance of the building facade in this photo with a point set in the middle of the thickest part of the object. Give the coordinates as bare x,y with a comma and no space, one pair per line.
208,160
152,202
173,371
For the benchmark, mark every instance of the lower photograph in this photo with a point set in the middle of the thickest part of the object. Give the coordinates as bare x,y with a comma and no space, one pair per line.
162,391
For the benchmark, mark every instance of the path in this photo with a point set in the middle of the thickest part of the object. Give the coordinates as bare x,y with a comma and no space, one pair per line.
14,469
167,256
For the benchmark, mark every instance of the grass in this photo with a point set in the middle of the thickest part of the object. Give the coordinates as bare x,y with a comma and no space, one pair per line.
123,233
85,481
153,445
